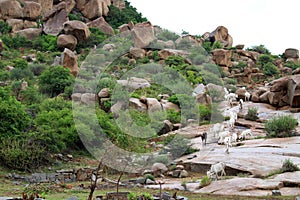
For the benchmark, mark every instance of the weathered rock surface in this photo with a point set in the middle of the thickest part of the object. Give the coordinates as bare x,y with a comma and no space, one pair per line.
66,41
95,8
10,9
134,83
78,29
69,60
55,19
137,104
102,25
29,33
222,57
32,10
143,34
221,35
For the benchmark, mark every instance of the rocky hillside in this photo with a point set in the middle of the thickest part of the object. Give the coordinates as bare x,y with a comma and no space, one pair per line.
54,51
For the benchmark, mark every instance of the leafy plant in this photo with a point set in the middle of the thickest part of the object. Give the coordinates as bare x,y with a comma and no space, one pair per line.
270,69
281,126
205,181
252,114
4,28
292,65
289,166
260,49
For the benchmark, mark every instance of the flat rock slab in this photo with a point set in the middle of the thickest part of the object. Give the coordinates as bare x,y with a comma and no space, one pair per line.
258,157
242,186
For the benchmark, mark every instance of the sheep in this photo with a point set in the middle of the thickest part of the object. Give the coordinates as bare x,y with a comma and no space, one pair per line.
215,169
241,102
227,142
244,133
247,96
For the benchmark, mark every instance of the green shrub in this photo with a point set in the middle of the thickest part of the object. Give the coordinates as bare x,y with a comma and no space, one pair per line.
135,196
150,176
4,28
20,63
96,38
166,35
155,56
230,81
190,150
76,16
252,114
281,126
264,59
37,69
106,82
205,181
21,154
260,49
270,69
175,61
289,166
292,65
173,116
16,41
45,43
162,159
4,75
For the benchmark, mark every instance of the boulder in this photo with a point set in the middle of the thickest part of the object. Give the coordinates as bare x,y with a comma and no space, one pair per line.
291,53
204,99
188,39
77,28
66,41
55,19
137,104
102,25
153,105
183,174
170,106
70,4
10,9
30,33
104,93
166,44
219,90
222,57
119,3
159,169
240,46
221,35
76,96
143,34
264,98
167,128
241,93
29,24
137,52
134,83
15,24
279,84
88,98
32,10
47,5
93,9
69,60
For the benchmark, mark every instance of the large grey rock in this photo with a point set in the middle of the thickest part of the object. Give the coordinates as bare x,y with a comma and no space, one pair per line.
66,41
134,83
137,52
77,28
222,57
10,9
32,10
292,53
221,35
30,33
153,105
159,169
69,60
102,25
137,104
143,34
88,98
55,19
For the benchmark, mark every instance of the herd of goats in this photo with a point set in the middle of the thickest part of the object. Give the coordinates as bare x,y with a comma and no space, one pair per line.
226,135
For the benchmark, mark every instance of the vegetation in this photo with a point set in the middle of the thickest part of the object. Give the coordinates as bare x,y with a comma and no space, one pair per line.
252,114
287,166
205,181
282,126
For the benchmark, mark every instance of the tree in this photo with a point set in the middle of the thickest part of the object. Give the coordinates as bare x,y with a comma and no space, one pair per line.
13,117
54,80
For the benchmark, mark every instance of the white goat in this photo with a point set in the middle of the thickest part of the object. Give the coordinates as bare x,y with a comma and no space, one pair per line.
247,96
231,122
244,133
216,128
234,137
226,92
231,96
215,169
227,142
222,135
241,103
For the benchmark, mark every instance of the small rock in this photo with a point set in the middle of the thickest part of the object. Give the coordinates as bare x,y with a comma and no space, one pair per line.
149,182
73,198
184,174
276,193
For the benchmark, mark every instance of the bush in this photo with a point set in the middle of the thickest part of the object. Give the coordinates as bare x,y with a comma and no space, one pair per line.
264,59
292,65
45,43
20,63
205,181
4,28
16,42
289,166
173,116
281,126
270,69
260,49
230,81
37,69
252,114
166,35
22,154
96,38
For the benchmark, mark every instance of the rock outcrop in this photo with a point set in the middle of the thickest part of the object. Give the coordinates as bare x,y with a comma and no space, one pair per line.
69,60
66,41
221,35
55,19
102,25
78,29
143,34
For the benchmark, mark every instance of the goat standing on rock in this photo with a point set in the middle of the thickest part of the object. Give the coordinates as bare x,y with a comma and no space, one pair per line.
215,169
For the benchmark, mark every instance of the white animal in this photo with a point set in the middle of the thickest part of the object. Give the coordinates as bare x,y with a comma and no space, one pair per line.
216,128
215,169
231,122
247,96
234,137
233,115
231,96
244,133
227,142
241,103
226,92
222,135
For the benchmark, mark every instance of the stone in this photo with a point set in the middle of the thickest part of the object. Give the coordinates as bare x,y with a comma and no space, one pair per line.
32,10
10,9
176,173
292,53
70,4
142,34
69,60
104,93
167,128
184,174
78,29
240,46
166,44
180,167
279,84
47,5
109,47
29,24
159,169
137,53
153,105
94,8
264,98
255,97
15,24
241,93
222,57
102,25
221,35
149,182
134,83
217,90
119,4
166,105
137,104
30,33
204,99
66,41
88,98
55,19
276,193
181,42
